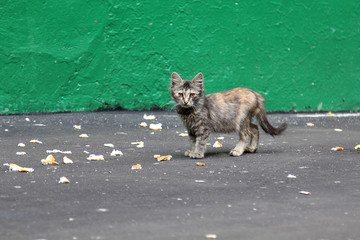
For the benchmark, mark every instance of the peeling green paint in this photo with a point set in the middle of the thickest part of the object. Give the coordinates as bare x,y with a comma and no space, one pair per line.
84,55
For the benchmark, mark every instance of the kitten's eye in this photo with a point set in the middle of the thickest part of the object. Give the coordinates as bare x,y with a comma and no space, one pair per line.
192,94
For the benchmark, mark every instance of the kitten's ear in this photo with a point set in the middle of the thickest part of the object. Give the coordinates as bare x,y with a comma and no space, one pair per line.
175,79
199,80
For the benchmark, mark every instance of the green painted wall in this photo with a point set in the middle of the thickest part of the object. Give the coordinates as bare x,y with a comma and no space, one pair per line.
79,55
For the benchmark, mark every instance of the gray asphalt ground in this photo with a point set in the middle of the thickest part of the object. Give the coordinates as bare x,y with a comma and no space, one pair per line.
247,197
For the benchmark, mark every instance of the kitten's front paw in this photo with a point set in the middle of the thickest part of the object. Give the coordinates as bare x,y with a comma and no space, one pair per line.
235,153
250,150
188,153
196,155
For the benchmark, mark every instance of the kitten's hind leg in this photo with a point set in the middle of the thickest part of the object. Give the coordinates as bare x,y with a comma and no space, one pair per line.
254,139
240,147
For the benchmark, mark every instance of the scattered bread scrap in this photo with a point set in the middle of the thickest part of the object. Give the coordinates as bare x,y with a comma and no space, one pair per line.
77,127
357,146
110,145
338,130
143,124
200,164
27,119
21,145
183,134
291,176
221,138
211,236
163,158
217,144
138,144
94,157
305,193
135,167
84,135
116,153
20,153
67,160
16,168
149,117
50,160
337,149
36,141
64,180
58,151
102,210
309,124
157,126
199,181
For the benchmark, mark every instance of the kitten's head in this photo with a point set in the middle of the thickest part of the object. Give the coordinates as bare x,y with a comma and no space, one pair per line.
185,93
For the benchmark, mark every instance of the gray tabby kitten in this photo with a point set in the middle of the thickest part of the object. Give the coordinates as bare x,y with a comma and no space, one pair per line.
221,112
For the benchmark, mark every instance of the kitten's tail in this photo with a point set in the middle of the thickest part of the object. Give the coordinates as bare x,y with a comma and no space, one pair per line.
266,126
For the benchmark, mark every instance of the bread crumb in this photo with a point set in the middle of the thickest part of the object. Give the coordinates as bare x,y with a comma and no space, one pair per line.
137,166
138,144
157,126
116,153
217,144
163,158
50,160
110,145
211,236
77,127
16,168
149,117
67,160
64,180
143,124
337,149
93,157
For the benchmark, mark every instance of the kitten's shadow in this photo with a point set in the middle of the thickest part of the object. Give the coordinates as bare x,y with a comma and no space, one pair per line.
207,154
225,153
